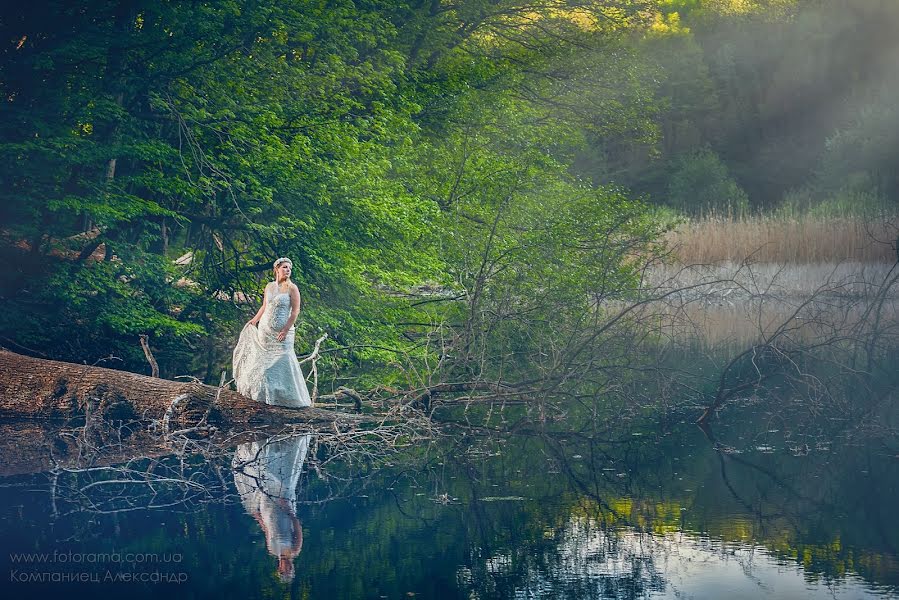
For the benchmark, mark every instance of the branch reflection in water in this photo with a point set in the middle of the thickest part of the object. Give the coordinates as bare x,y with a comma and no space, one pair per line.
645,512
266,476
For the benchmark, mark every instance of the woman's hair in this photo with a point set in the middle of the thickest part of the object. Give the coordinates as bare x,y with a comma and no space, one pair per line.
283,259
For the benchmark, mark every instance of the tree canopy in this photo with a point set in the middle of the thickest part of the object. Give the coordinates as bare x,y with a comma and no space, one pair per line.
430,166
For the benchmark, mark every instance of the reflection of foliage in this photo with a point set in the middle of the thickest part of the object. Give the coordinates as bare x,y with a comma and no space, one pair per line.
491,515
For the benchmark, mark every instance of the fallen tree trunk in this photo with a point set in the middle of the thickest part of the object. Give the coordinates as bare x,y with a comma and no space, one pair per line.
35,388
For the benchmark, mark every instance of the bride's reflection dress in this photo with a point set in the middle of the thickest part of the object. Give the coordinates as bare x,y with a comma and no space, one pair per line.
264,368
266,475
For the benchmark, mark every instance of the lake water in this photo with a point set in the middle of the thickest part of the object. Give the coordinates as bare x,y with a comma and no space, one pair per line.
661,512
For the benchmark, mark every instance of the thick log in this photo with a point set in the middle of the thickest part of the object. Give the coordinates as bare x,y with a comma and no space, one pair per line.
35,388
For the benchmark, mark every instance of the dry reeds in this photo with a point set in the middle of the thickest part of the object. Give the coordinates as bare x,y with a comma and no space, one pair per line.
771,239
744,322
772,279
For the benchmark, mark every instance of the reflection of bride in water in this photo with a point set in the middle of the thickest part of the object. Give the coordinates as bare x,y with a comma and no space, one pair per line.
266,475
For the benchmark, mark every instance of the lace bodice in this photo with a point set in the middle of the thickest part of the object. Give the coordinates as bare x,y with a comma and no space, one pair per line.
277,311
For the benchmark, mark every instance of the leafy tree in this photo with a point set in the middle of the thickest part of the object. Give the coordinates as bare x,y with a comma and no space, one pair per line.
701,185
235,131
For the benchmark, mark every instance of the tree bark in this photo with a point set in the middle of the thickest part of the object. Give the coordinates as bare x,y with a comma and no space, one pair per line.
41,389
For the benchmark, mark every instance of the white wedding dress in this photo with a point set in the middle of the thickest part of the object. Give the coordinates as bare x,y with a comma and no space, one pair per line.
264,368
266,475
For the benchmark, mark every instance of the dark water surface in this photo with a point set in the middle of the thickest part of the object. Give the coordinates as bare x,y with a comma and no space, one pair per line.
656,512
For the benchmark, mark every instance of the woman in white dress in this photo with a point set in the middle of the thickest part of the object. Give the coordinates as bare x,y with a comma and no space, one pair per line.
265,364
266,476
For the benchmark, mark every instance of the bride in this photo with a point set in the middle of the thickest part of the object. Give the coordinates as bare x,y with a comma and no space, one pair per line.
265,364
266,476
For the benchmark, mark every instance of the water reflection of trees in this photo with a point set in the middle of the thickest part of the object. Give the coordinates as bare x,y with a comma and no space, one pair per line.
654,494
107,468
598,514
581,560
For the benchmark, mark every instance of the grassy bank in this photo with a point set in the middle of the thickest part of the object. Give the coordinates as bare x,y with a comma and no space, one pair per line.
772,239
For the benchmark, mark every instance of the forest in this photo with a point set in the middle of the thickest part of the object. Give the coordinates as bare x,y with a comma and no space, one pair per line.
469,190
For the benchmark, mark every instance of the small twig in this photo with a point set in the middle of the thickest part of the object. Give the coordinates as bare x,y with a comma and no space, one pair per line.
314,358
316,350
146,346
170,411
21,347
106,358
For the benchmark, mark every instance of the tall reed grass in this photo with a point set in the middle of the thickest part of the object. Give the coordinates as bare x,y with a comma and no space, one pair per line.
744,322
774,239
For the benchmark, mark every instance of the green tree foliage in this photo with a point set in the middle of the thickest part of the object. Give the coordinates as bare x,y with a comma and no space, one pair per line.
856,174
232,133
436,170
240,132
790,94
700,185
531,250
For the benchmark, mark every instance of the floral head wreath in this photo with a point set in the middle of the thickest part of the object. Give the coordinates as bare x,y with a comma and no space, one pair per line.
283,259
